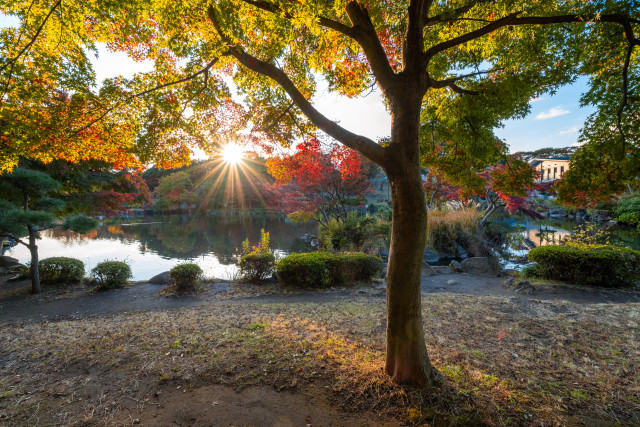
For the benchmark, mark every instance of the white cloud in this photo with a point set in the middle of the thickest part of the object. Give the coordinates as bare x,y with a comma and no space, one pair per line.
535,99
554,112
570,131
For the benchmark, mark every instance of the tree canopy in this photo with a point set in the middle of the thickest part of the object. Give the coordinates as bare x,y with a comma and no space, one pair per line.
450,72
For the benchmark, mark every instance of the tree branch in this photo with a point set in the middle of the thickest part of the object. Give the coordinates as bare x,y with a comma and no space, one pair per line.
357,142
512,19
204,71
33,39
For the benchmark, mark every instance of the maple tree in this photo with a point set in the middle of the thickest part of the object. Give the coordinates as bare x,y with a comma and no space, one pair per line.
459,68
318,185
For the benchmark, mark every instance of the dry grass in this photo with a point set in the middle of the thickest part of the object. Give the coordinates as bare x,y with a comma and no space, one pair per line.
503,363
445,228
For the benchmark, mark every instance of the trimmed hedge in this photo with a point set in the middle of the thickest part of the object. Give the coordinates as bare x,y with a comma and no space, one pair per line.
324,269
111,274
257,267
186,277
593,265
56,271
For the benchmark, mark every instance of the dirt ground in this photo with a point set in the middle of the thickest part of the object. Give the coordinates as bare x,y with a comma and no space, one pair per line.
259,356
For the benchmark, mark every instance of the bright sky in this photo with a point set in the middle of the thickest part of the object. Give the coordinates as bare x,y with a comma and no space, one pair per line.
554,121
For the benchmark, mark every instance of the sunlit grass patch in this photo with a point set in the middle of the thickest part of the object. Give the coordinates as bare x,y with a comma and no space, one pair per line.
501,362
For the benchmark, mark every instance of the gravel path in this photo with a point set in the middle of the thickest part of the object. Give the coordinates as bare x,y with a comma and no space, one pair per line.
22,308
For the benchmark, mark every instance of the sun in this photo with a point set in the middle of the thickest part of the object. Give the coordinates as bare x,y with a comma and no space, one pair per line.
231,153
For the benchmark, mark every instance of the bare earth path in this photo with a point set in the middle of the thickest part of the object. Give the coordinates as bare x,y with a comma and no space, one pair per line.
21,307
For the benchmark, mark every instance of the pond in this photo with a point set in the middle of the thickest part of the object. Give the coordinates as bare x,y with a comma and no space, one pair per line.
527,233
155,244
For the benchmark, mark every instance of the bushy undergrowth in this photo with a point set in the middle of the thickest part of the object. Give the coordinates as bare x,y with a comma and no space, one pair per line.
60,271
447,229
257,262
356,233
594,265
111,274
186,277
628,211
257,267
324,269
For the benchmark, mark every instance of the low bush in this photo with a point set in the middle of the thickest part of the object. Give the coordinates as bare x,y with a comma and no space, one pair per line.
60,271
356,233
530,271
186,277
594,265
111,274
628,211
257,267
447,229
323,269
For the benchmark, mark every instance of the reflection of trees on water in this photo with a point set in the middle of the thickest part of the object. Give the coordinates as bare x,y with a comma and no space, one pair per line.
187,237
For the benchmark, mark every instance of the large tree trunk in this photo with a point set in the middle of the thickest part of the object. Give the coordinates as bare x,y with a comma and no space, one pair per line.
407,360
33,269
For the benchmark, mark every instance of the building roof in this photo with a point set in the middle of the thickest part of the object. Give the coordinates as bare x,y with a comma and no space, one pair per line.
536,162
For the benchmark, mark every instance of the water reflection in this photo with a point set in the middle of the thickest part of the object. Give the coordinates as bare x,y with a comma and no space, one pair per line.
155,244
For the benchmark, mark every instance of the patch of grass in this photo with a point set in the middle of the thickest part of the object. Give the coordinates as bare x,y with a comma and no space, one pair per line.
536,364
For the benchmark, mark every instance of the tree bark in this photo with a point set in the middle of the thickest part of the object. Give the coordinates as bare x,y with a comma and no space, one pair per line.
407,360
33,269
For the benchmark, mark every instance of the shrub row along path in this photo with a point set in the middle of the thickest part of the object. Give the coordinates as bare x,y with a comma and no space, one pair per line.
17,306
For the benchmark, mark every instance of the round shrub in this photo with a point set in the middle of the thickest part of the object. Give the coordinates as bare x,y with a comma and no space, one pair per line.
111,274
593,265
323,269
257,267
186,276
60,271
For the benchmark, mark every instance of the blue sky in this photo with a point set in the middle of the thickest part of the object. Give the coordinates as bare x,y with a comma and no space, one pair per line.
554,121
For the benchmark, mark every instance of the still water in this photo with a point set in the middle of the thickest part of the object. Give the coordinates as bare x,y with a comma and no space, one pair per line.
155,244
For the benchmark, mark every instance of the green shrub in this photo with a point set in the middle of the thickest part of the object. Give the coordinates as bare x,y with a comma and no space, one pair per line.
111,274
323,269
57,271
257,267
530,271
594,265
186,277
355,233
628,211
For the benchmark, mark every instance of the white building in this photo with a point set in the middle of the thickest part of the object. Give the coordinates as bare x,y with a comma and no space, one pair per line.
551,168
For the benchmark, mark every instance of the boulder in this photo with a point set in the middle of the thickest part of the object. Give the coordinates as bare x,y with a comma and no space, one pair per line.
451,282
427,270
519,286
442,269
7,261
160,279
478,265
430,257
456,266
461,252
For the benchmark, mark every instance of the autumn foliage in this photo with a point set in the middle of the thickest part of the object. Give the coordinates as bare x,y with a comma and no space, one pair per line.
318,184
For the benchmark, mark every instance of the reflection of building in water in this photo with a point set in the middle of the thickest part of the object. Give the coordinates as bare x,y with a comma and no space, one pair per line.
542,235
550,168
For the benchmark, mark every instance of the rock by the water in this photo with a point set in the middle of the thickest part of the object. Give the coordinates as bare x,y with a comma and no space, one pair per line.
478,265
430,257
455,266
427,270
461,252
160,279
7,261
442,269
